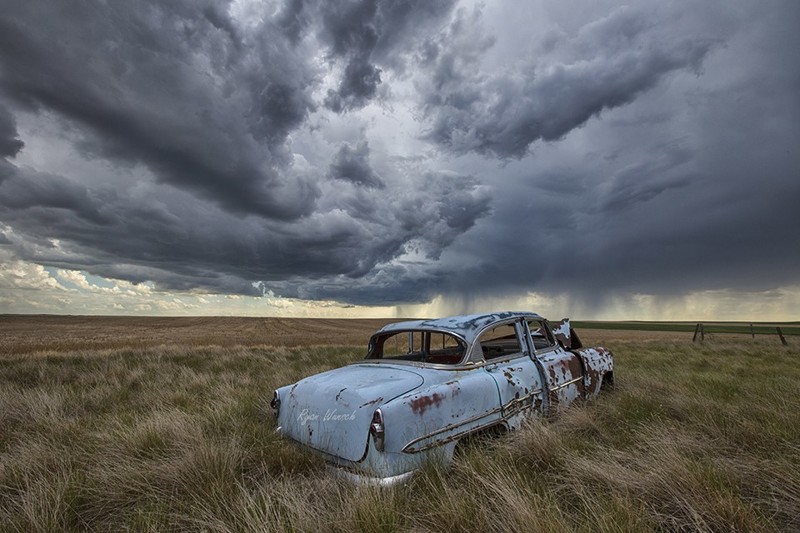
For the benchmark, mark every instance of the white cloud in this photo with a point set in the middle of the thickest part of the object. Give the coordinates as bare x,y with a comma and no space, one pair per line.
17,274
76,278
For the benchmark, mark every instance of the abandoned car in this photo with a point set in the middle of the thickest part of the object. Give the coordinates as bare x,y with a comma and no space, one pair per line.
426,384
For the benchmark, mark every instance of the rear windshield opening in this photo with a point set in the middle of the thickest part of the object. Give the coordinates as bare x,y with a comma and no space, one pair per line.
419,346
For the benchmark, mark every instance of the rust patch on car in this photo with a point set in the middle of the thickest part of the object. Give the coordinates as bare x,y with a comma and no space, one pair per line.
371,402
593,378
508,373
423,403
536,403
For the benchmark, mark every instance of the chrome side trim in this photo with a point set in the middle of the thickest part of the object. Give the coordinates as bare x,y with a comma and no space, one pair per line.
451,438
524,403
522,400
409,447
566,384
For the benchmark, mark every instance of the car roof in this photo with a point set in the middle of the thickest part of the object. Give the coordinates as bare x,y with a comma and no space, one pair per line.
466,326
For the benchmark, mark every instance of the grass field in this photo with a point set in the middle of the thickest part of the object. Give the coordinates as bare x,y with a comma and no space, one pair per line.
155,430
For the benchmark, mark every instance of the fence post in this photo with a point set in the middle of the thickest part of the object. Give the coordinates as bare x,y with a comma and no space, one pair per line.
780,334
752,331
696,329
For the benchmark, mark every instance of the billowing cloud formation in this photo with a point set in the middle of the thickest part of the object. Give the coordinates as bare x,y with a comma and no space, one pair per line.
378,152
369,33
176,87
605,65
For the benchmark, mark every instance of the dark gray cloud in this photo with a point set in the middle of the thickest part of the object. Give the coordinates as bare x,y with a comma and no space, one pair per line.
183,243
358,86
44,192
213,145
370,34
352,164
207,106
643,181
501,114
10,144
691,188
171,86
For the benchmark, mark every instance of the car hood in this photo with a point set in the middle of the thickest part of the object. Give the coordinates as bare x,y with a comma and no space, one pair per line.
332,411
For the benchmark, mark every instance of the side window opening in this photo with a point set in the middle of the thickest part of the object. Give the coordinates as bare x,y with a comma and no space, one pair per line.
442,344
500,341
406,344
419,346
541,335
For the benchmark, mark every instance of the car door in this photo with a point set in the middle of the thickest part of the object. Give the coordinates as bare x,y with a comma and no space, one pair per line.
563,369
509,362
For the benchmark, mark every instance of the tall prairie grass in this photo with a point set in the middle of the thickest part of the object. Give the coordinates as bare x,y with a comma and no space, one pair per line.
694,438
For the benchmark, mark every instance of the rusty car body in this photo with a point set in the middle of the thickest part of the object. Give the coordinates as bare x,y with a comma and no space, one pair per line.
427,384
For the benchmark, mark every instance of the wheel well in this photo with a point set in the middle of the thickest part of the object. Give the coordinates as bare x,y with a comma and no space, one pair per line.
608,381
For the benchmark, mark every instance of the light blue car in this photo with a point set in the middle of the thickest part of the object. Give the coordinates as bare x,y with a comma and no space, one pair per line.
426,384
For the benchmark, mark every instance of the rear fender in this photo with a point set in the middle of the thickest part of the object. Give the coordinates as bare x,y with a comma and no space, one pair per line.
441,414
597,362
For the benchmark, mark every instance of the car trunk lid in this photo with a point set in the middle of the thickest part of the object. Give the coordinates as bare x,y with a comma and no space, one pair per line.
332,411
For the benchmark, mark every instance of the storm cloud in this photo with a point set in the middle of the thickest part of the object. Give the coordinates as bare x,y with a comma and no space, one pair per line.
605,65
172,86
381,152
352,164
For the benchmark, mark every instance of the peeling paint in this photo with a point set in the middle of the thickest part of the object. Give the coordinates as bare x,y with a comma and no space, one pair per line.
372,402
423,403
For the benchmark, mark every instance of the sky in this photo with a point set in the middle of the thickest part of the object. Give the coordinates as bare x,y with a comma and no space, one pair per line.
584,158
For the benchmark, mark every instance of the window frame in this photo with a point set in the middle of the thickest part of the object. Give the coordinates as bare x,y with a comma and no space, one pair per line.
548,335
476,354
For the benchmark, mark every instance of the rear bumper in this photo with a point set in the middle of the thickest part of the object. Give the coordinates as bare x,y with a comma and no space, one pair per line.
369,481
352,471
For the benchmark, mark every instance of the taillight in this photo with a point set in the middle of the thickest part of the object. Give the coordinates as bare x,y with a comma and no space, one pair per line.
377,431
275,404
